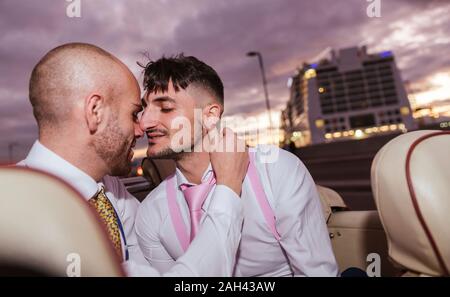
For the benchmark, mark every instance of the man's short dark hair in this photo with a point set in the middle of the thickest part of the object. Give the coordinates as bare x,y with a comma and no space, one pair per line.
183,71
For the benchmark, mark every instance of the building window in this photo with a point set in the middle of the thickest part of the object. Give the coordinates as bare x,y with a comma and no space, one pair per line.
361,121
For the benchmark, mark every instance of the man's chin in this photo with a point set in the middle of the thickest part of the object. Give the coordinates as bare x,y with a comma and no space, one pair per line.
166,153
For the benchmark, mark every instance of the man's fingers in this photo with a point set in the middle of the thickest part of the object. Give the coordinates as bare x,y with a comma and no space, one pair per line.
225,141
213,135
228,132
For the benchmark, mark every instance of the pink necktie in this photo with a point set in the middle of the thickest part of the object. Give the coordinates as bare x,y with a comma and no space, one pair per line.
195,196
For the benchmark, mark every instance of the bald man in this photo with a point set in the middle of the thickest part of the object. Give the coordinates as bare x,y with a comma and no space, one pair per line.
86,103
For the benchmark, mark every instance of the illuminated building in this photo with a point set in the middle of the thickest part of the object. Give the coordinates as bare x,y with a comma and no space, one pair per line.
350,95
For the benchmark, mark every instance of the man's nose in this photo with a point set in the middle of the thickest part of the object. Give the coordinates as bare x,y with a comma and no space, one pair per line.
148,121
138,132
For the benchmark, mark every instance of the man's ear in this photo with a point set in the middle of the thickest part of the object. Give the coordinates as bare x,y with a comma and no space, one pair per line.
94,109
211,115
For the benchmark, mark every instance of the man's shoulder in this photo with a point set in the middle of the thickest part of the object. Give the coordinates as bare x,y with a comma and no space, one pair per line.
274,157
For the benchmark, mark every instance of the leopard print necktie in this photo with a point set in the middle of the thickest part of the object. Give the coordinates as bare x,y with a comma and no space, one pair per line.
108,216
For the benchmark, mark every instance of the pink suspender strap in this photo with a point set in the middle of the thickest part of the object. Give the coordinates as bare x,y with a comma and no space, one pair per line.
177,220
261,197
175,213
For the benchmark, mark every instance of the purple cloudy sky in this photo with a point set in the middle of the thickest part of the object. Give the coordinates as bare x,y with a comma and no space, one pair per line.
286,32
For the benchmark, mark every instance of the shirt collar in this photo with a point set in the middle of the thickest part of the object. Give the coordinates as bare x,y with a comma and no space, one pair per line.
42,158
181,179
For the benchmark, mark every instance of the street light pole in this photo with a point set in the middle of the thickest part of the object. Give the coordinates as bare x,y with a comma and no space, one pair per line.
266,93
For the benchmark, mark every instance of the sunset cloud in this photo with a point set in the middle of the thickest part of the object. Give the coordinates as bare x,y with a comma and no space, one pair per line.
286,32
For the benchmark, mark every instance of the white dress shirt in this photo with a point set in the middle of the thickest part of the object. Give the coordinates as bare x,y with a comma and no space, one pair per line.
226,217
304,249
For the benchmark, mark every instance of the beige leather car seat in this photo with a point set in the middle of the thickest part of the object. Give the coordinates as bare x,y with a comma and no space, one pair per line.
48,228
331,201
411,185
354,234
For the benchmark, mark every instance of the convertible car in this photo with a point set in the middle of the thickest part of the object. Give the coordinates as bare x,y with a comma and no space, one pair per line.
407,234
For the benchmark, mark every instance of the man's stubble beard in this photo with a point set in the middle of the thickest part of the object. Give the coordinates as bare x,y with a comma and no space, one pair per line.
112,147
169,153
